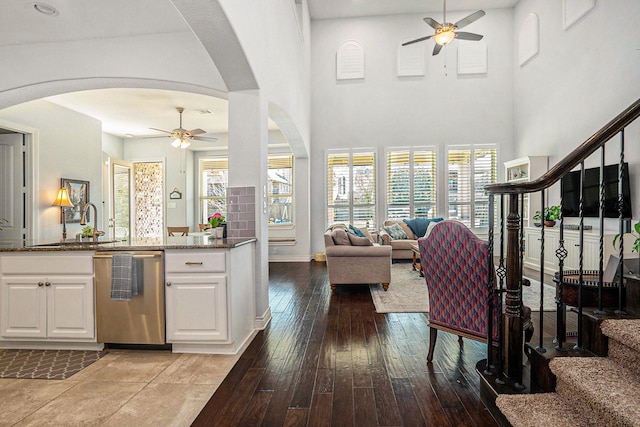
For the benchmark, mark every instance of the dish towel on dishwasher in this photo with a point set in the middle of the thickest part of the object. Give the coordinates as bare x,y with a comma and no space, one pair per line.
124,278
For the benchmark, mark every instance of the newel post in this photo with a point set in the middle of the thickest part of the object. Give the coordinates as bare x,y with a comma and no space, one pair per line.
513,340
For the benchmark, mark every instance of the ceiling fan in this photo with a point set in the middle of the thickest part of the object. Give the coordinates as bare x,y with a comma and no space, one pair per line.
446,32
182,137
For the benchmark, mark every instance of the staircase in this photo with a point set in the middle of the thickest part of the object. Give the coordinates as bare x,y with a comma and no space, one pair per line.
590,391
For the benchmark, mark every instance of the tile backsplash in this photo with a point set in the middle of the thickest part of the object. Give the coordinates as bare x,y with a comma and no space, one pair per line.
241,212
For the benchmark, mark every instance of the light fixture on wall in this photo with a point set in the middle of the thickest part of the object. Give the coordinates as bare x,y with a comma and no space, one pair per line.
62,200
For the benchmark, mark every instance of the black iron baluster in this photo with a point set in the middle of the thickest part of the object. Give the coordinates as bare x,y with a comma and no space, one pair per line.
540,346
620,226
578,345
501,272
561,254
600,310
491,287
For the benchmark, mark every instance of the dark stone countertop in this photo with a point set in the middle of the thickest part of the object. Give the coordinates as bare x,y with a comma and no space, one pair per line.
142,244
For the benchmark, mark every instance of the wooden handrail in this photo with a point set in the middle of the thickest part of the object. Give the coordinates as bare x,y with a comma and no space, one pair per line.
573,159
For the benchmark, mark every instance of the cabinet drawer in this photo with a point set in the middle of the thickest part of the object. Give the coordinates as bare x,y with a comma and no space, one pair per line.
69,263
194,262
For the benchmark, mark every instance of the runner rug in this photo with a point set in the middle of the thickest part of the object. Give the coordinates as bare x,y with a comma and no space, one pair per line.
45,364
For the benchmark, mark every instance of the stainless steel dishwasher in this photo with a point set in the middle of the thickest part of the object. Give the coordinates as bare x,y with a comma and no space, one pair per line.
141,320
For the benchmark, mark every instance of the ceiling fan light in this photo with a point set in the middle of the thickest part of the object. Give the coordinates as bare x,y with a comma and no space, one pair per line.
185,143
445,37
176,143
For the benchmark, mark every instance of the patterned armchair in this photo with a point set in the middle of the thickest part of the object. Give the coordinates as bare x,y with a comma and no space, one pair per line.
454,262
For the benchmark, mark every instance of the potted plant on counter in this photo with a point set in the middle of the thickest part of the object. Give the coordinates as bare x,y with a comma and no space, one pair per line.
216,221
551,215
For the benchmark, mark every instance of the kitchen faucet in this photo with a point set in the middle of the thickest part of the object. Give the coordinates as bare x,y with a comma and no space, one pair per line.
83,220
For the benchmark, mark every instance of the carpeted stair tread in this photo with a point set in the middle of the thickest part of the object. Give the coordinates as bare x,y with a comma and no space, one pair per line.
626,331
611,390
544,409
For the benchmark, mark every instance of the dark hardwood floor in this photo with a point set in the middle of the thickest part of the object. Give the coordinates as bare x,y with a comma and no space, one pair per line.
328,359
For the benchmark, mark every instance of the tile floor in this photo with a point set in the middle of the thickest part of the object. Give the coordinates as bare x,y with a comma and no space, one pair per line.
124,388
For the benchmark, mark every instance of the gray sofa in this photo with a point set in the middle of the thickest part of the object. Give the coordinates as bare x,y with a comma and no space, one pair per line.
349,264
401,247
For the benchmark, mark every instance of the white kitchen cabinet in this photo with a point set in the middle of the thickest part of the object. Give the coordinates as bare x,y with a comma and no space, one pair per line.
196,307
41,298
590,253
526,169
209,299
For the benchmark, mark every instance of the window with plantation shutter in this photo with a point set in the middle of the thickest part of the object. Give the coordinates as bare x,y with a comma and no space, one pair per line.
214,178
351,188
468,171
280,189
411,183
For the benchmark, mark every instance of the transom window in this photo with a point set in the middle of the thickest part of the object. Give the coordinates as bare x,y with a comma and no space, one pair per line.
351,187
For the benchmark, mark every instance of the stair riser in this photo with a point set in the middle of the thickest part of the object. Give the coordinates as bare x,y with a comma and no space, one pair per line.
576,400
625,356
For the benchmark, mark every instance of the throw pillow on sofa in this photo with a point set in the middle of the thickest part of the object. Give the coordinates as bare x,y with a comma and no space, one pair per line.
429,228
359,241
395,231
419,225
340,237
356,231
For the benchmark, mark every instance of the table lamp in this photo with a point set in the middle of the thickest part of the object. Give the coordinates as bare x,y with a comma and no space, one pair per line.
62,200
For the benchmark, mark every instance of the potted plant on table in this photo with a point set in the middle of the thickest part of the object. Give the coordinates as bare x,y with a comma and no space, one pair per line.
551,215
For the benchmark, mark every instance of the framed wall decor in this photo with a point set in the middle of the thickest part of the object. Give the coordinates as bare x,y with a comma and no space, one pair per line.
79,195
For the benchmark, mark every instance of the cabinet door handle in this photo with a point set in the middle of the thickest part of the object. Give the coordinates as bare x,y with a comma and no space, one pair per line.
193,263
168,283
47,283
41,284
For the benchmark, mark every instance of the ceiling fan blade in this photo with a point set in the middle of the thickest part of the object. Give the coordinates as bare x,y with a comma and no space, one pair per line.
205,138
433,23
468,36
153,137
160,130
469,19
196,131
417,40
436,49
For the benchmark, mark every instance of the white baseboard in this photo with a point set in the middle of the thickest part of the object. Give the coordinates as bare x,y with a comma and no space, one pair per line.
261,322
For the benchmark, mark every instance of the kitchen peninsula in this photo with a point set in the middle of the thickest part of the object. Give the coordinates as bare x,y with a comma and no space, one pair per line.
49,293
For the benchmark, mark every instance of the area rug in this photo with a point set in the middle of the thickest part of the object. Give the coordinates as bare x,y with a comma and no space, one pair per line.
531,296
407,292
45,364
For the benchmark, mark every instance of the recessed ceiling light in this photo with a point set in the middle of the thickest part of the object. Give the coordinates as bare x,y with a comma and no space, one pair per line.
45,9
204,111
128,135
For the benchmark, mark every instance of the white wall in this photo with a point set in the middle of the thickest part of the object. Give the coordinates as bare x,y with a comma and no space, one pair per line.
68,145
581,78
384,110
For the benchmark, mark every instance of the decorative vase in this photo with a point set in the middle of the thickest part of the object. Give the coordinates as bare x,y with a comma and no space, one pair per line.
219,232
212,230
549,223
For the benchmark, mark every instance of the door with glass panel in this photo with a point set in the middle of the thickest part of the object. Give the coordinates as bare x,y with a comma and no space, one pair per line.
121,200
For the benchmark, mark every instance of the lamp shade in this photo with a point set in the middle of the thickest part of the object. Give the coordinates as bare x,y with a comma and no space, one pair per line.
62,199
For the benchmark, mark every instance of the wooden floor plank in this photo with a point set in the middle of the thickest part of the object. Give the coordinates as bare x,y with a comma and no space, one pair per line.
327,358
